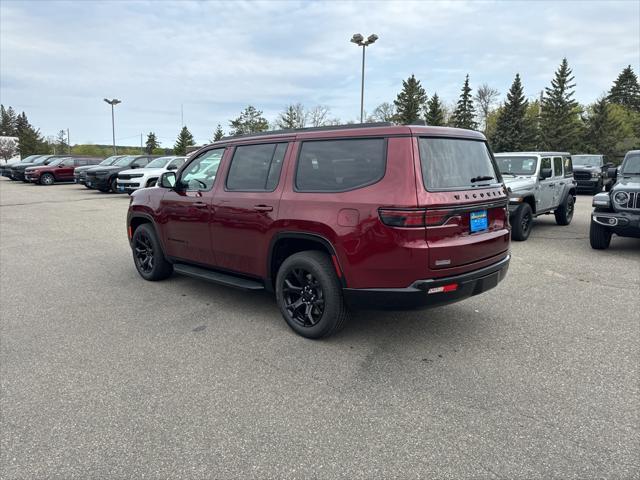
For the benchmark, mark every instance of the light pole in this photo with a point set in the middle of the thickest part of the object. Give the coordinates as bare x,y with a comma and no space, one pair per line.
113,103
359,40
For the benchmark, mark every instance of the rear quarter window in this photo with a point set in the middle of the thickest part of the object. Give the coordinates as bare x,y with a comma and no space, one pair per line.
340,165
451,163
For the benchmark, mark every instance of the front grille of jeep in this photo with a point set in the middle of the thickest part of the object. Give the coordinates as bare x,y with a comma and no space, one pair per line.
634,201
582,175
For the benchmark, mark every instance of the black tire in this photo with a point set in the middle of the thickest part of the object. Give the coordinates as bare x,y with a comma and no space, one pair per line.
598,187
564,212
313,275
608,187
522,223
148,256
113,185
47,179
599,236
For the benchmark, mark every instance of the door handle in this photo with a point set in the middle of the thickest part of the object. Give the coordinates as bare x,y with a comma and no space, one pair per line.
263,208
199,204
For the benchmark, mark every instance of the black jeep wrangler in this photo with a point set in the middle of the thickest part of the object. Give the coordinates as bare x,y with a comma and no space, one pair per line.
618,211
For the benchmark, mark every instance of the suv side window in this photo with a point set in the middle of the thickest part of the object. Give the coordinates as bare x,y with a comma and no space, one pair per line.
200,174
340,165
256,167
80,162
69,162
141,162
557,166
175,164
545,163
568,166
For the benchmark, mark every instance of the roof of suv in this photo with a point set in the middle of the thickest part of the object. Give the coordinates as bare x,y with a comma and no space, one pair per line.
357,130
546,154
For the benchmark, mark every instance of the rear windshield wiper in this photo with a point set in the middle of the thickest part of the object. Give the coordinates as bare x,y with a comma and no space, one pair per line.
481,178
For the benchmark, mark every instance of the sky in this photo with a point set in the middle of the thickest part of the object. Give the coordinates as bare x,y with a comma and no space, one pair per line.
210,59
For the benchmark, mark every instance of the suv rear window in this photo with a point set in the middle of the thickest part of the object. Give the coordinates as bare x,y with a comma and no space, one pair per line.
340,165
449,163
256,167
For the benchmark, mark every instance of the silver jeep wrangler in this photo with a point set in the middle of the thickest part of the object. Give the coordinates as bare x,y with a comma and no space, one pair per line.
539,183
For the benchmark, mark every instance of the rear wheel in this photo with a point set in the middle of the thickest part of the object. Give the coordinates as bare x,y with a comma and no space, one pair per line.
114,185
310,296
47,179
598,187
148,256
564,212
522,222
599,236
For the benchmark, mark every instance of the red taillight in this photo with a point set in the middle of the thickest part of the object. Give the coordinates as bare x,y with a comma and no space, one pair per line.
129,232
452,287
412,217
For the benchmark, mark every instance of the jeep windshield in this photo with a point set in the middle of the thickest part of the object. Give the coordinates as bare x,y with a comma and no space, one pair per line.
124,161
517,165
631,165
110,160
587,160
159,162
452,163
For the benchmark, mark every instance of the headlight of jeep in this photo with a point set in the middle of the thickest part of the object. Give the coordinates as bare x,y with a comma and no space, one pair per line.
621,198
595,174
601,200
516,199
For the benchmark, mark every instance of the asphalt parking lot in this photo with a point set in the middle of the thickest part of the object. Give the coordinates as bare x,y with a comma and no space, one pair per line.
104,375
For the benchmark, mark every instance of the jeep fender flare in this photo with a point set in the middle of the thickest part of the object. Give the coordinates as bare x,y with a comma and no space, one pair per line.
147,219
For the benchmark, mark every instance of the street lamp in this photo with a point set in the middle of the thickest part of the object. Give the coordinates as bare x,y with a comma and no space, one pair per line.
359,40
113,103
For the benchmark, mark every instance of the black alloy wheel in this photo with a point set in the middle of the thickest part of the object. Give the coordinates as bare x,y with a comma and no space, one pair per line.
303,297
143,252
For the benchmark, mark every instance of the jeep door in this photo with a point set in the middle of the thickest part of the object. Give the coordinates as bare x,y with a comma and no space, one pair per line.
186,210
546,187
246,206
64,171
558,178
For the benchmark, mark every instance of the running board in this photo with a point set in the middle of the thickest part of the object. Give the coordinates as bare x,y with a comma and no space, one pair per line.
217,277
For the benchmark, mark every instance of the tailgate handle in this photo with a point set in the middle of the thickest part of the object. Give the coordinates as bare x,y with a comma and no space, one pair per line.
263,208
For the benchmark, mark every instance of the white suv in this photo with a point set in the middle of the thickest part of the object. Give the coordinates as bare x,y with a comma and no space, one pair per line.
131,180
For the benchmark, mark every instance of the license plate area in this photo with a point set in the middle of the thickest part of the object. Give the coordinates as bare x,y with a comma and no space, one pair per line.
478,221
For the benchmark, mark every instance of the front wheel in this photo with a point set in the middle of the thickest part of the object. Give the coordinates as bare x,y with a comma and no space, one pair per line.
564,212
47,179
148,256
309,295
114,185
598,187
599,236
522,222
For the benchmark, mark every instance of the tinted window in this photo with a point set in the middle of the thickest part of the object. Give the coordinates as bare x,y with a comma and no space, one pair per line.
200,174
631,165
80,162
340,165
141,162
568,166
177,163
455,163
545,163
557,166
256,167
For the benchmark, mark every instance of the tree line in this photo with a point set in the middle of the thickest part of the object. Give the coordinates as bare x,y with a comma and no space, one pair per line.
553,121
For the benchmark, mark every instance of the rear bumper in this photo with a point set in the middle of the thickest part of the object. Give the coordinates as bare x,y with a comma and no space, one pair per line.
417,294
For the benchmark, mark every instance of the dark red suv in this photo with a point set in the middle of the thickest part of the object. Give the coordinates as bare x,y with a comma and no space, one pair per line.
361,216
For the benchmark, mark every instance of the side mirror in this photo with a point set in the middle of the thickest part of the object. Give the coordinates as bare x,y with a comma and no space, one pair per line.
134,166
60,165
172,167
168,180
545,173
608,165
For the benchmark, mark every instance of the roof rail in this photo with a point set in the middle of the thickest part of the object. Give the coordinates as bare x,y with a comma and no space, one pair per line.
310,129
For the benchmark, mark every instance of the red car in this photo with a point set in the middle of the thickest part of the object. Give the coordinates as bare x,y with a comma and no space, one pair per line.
332,218
60,170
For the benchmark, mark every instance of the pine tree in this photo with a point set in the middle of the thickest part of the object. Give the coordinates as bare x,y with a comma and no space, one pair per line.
30,140
61,145
7,122
434,114
626,90
603,130
249,121
292,117
510,134
560,122
185,139
464,114
152,143
410,102
218,134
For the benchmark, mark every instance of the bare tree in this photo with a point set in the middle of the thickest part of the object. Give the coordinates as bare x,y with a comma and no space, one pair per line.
318,116
486,98
8,148
385,112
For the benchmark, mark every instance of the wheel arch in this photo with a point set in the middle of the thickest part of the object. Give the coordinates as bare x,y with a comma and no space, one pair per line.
139,218
285,244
